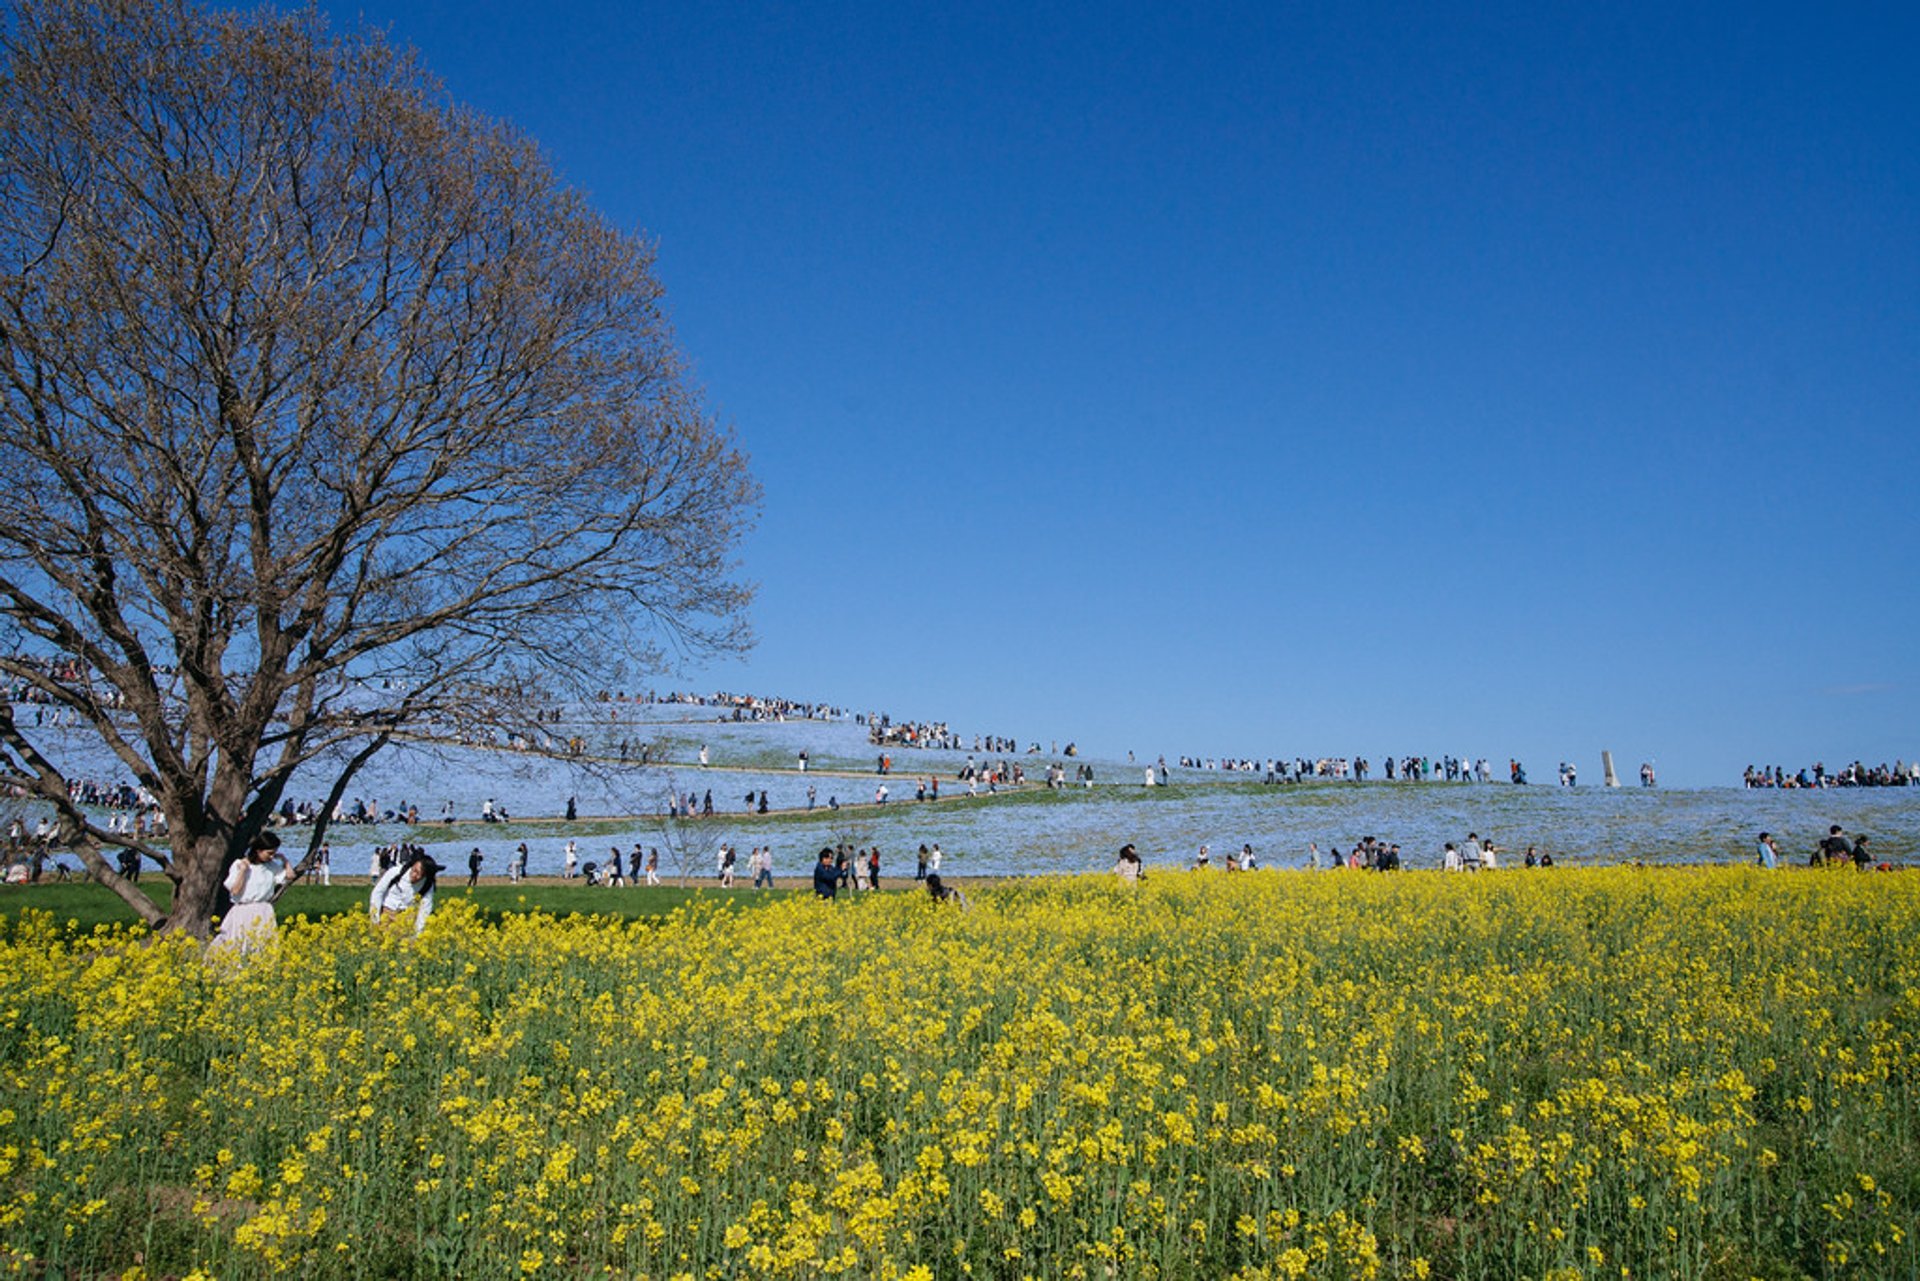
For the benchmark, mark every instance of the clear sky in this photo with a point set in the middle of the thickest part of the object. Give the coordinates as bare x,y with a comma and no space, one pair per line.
1269,379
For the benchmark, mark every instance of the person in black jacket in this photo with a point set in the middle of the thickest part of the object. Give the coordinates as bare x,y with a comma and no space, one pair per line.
826,877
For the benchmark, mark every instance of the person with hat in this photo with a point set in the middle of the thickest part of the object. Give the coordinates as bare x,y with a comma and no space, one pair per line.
407,884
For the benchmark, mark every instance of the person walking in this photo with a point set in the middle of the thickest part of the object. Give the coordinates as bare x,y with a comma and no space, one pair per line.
473,867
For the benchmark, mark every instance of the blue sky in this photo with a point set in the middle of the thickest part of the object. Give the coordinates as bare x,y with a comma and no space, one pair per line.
1257,379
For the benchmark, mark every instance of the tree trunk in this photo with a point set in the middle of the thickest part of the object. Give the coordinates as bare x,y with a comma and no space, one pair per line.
203,865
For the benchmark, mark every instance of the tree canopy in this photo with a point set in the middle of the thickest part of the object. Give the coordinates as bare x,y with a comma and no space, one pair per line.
329,412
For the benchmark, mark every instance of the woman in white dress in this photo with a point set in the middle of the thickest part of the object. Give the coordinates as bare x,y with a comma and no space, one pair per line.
253,881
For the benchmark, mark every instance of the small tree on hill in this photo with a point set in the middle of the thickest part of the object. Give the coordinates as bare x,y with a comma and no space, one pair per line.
329,414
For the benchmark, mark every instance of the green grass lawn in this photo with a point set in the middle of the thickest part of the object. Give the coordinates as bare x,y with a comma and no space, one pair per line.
84,905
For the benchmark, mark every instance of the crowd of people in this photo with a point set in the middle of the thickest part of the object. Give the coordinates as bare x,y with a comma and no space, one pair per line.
842,866
359,811
994,762
991,773
1057,775
28,850
1359,769
1899,774
856,868
1835,849
130,811
884,731
49,708
1476,853
739,708
1369,854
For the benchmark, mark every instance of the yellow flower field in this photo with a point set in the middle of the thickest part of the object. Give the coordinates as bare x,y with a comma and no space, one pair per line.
1664,1074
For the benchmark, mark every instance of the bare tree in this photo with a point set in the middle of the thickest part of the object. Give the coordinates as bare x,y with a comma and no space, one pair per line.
676,832
328,413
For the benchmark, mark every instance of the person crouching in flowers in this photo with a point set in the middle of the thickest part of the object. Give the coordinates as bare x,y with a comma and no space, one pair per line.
1128,867
252,881
408,884
943,893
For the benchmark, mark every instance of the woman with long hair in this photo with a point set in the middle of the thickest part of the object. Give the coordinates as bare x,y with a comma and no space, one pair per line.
253,881
408,884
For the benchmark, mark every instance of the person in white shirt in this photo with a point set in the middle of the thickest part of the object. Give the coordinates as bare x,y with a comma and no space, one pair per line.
253,881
